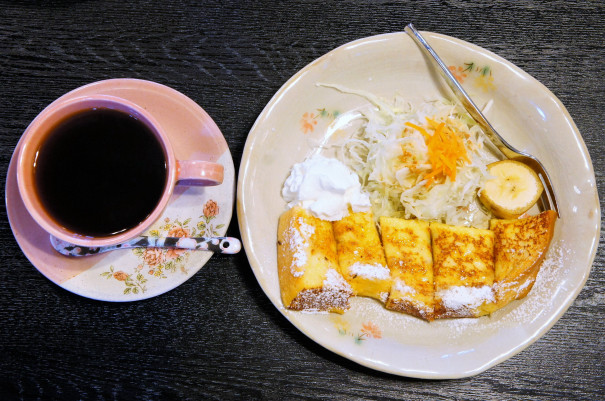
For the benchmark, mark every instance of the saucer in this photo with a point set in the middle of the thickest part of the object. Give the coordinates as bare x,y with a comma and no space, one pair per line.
131,275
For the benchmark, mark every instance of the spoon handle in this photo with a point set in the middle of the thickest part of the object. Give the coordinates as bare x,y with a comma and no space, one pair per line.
227,245
463,97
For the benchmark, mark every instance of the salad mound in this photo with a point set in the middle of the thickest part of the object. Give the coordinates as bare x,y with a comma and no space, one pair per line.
426,161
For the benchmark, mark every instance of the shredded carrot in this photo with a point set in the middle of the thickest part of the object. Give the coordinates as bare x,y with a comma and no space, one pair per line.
445,150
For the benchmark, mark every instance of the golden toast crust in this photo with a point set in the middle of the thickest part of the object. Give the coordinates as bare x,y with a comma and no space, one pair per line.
520,248
361,255
309,275
430,271
463,263
407,246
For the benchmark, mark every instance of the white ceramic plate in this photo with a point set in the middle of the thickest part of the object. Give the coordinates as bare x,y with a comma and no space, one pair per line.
527,114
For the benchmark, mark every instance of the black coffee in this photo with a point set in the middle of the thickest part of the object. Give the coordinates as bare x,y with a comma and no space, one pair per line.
100,172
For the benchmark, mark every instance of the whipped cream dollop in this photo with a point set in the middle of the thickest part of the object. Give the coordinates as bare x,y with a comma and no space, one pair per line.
326,188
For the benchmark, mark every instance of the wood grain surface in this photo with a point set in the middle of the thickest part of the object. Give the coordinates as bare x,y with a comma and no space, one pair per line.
217,336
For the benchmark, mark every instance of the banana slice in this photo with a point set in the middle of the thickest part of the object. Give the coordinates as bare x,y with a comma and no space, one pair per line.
514,190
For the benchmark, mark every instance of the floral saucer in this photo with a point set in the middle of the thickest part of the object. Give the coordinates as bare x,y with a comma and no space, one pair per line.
135,274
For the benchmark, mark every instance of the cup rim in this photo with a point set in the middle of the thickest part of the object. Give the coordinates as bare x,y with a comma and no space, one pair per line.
37,131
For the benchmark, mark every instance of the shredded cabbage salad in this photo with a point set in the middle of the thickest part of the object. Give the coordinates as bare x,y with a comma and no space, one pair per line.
426,161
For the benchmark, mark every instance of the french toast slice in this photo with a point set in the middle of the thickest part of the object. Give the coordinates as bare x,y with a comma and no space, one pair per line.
520,247
308,271
463,268
407,247
361,256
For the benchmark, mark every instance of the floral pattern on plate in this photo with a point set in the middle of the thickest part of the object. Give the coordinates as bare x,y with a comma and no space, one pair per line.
158,263
482,75
368,330
308,121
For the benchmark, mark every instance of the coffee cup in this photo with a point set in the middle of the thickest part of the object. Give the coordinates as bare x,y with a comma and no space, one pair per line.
100,170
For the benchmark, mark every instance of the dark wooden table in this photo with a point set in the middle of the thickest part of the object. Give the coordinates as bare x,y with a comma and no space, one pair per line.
217,336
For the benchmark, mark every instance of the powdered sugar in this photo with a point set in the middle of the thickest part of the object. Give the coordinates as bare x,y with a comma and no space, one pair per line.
297,240
334,294
460,297
306,230
403,288
335,281
524,311
374,271
503,287
549,281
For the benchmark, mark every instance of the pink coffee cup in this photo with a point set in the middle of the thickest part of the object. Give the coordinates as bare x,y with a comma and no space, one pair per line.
44,127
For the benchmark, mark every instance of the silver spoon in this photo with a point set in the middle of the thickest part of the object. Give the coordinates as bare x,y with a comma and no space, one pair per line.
227,245
548,199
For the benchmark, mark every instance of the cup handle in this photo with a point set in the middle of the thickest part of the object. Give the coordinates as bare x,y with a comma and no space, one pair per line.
198,173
